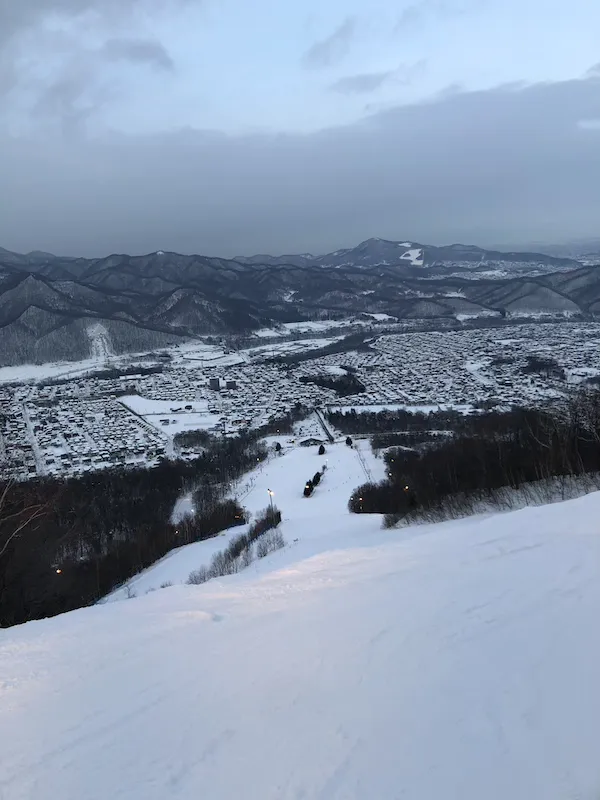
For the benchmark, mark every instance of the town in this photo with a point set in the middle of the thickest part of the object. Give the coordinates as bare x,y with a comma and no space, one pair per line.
127,410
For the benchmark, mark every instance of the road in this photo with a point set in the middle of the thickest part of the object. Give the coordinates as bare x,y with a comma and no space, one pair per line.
40,464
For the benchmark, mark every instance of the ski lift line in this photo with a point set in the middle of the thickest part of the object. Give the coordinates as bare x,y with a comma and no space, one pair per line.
363,464
326,430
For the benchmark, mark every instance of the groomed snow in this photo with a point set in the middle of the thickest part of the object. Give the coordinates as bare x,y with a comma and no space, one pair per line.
457,660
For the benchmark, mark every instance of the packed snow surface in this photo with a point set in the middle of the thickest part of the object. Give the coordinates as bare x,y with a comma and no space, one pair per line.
457,660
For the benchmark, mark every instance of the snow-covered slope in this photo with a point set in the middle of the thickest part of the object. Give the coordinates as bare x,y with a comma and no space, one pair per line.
415,256
309,526
451,661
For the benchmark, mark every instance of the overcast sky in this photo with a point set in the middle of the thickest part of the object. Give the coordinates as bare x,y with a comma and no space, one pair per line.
242,126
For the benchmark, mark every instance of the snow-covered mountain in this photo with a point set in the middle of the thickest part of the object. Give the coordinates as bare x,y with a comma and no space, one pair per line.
376,252
456,660
46,300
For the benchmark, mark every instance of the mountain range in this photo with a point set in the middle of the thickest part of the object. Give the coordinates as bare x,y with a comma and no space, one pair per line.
50,306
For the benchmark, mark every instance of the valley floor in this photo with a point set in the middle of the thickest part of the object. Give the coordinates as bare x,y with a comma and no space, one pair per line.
457,660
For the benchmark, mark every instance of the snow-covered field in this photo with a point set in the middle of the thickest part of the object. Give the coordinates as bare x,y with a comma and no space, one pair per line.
382,317
178,418
315,326
56,369
322,326
289,348
193,352
457,660
197,353
483,313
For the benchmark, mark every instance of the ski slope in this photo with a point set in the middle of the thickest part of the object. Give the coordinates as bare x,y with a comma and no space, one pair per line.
285,475
457,660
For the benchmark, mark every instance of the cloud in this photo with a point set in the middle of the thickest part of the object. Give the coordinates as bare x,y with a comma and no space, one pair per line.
420,11
142,51
589,124
8,75
333,48
509,164
368,82
58,58
71,98
18,16
361,84
412,14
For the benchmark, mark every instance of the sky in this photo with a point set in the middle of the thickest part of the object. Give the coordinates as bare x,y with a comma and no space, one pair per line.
231,127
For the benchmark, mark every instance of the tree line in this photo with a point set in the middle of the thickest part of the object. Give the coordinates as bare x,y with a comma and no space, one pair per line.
283,424
240,552
392,420
65,543
343,385
490,453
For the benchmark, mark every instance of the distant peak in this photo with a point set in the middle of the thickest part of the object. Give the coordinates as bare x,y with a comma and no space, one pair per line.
464,247
40,254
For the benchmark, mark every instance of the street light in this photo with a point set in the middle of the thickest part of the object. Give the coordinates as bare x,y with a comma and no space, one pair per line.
271,499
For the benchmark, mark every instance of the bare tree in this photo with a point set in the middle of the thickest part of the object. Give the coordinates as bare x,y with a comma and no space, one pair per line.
14,522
